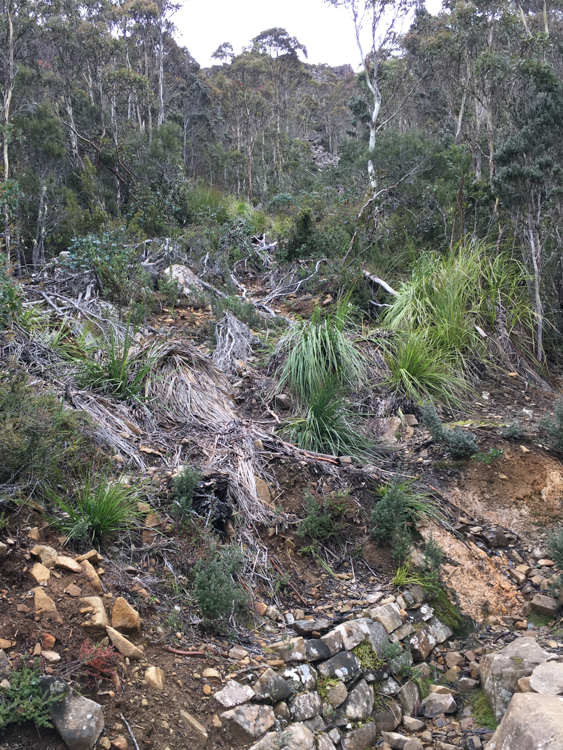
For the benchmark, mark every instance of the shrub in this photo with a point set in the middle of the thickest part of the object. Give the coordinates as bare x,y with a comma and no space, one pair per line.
459,443
325,427
513,430
24,700
324,519
97,511
185,482
319,351
10,295
99,662
553,426
217,595
38,435
243,311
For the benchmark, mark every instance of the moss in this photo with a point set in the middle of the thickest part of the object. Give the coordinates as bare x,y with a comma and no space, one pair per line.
481,711
367,656
539,620
445,610
324,684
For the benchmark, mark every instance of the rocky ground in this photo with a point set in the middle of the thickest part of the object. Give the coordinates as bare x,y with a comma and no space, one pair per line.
339,659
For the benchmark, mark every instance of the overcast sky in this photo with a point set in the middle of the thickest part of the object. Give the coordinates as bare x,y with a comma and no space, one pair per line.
327,32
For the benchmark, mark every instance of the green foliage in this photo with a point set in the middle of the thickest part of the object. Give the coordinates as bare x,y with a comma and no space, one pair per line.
185,482
119,371
24,700
513,430
493,454
320,351
301,234
552,427
243,311
324,684
325,427
398,511
481,711
10,295
96,511
206,204
419,371
368,658
38,435
216,593
459,443
324,519
445,610
171,289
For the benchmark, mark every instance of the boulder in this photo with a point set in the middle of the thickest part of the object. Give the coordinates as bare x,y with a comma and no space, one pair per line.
501,671
77,719
295,737
305,706
439,703
531,722
344,665
547,679
360,739
124,618
422,643
234,694
249,722
270,687
359,703
388,615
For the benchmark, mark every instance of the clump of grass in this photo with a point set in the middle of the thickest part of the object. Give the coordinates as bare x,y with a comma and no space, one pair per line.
459,443
552,427
320,351
217,594
325,427
24,700
97,510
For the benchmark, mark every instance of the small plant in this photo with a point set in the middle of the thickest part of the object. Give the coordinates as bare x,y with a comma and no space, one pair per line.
324,520
491,455
459,443
324,684
98,510
99,662
513,430
243,311
24,700
553,426
171,289
10,295
217,595
185,482
368,658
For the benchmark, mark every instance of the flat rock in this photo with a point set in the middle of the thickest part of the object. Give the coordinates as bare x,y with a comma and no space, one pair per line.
531,722
292,650
235,694
295,737
401,633
465,684
238,653
77,719
333,641
388,615
93,557
547,678
360,739
441,631
68,563
125,618
413,725
123,645
501,671
47,555
249,722
306,627
359,703
395,740
317,650
352,634
545,605
195,725
300,677
40,573
344,665
270,686
305,706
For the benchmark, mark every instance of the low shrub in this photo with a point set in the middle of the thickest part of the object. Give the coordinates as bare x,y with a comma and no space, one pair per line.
513,430
185,482
216,593
99,662
96,511
324,519
552,427
10,295
24,700
459,443
243,311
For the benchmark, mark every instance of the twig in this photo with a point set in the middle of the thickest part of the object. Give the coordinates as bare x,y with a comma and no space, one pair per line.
133,740
183,653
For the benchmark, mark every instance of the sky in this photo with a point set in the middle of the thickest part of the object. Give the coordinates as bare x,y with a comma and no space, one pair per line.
326,32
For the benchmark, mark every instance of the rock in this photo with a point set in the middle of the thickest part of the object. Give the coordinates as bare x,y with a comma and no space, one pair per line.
210,673
547,678
73,590
501,671
235,694
154,676
192,722
545,605
5,666
47,555
68,563
42,602
389,687
360,739
77,719
452,674
295,737
317,650
454,659
324,742
415,744
305,706
334,641
401,633
120,743
238,653
306,627
422,643
390,436
300,677
441,632
439,703
465,684
281,711
97,622
40,573
442,690
531,722
292,650
423,613
524,685
395,740
352,634
92,576
388,615
359,703
51,656
93,556
3,551
316,724
344,665
409,698
123,645
413,725
185,277
247,723
387,718
269,687
337,694
375,634
124,618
